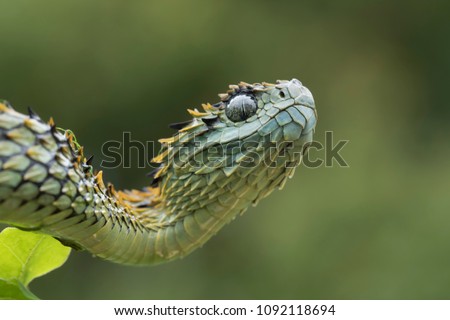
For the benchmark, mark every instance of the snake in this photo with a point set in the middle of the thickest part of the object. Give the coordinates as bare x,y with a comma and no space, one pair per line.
227,157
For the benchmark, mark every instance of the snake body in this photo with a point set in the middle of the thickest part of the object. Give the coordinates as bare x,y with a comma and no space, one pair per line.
227,157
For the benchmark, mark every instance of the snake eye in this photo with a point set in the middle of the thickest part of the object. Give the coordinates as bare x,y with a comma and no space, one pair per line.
240,108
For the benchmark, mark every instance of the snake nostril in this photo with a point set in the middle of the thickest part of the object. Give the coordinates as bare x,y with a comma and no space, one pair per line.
282,94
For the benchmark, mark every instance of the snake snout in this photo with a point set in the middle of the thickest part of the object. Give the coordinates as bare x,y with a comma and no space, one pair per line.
300,93
295,113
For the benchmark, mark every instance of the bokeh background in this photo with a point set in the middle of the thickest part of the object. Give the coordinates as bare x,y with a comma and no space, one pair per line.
379,71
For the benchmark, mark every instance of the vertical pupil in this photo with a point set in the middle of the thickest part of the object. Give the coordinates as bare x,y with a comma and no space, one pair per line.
240,108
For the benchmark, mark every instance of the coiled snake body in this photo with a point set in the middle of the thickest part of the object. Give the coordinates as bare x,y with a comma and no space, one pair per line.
227,157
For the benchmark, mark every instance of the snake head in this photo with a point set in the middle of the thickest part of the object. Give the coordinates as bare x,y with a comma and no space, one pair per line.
284,110
254,128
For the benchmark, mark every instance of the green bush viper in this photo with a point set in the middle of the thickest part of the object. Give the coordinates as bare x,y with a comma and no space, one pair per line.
230,155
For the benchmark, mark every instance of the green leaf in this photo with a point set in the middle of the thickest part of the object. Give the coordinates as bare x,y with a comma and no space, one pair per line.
15,291
25,256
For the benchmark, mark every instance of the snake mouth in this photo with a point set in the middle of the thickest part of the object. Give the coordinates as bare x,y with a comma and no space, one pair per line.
295,121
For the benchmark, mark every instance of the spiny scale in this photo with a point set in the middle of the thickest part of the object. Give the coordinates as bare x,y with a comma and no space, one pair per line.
47,184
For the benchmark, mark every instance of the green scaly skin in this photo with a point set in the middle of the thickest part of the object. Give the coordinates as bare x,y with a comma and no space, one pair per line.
210,171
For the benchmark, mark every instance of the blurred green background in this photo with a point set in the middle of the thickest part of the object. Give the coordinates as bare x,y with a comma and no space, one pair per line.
379,71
